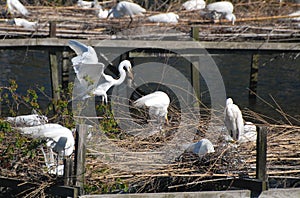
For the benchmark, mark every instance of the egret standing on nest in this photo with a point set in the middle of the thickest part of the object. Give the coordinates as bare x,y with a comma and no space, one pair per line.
233,120
16,7
222,9
59,139
158,103
124,8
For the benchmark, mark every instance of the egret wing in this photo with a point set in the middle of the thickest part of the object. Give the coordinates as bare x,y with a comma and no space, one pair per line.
78,47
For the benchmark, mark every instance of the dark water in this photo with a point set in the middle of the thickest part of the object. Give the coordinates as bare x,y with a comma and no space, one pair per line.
279,77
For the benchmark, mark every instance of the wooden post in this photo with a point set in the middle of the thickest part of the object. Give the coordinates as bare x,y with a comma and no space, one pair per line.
52,29
195,33
54,75
261,156
68,172
253,78
195,63
195,76
65,69
80,151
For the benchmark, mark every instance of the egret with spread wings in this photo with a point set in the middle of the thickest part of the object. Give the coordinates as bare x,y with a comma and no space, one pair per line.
87,55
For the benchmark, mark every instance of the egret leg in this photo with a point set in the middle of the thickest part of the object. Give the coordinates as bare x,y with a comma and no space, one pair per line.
131,19
51,155
45,158
105,98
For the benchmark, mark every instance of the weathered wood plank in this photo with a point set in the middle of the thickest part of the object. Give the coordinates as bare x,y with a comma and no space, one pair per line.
55,42
261,156
54,75
80,151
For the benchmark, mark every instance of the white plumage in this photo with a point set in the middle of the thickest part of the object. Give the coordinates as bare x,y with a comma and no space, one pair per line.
250,133
201,147
233,119
85,55
225,8
27,120
125,8
16,7
158,103
109,81
25,23
85,4
170,17
52,133
103,14
194,5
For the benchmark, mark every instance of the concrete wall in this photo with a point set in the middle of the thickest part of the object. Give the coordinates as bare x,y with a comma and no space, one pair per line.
279,193
207,194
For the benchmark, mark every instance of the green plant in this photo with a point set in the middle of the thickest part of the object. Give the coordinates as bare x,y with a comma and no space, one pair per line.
108,124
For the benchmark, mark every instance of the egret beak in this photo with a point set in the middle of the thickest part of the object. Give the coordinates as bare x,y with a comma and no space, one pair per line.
108,14
130,74
167,120
130,77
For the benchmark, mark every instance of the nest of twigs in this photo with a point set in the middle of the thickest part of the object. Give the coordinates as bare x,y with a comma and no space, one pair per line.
21,159
188,170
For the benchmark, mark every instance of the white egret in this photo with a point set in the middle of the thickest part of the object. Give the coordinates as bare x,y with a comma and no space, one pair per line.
201,147
85,4
158,103
170,17
27,120
222,9
87,55
101,13
250,133
59,139
52,133
124,8
16,7
23,23
107,82
194,5
233,119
